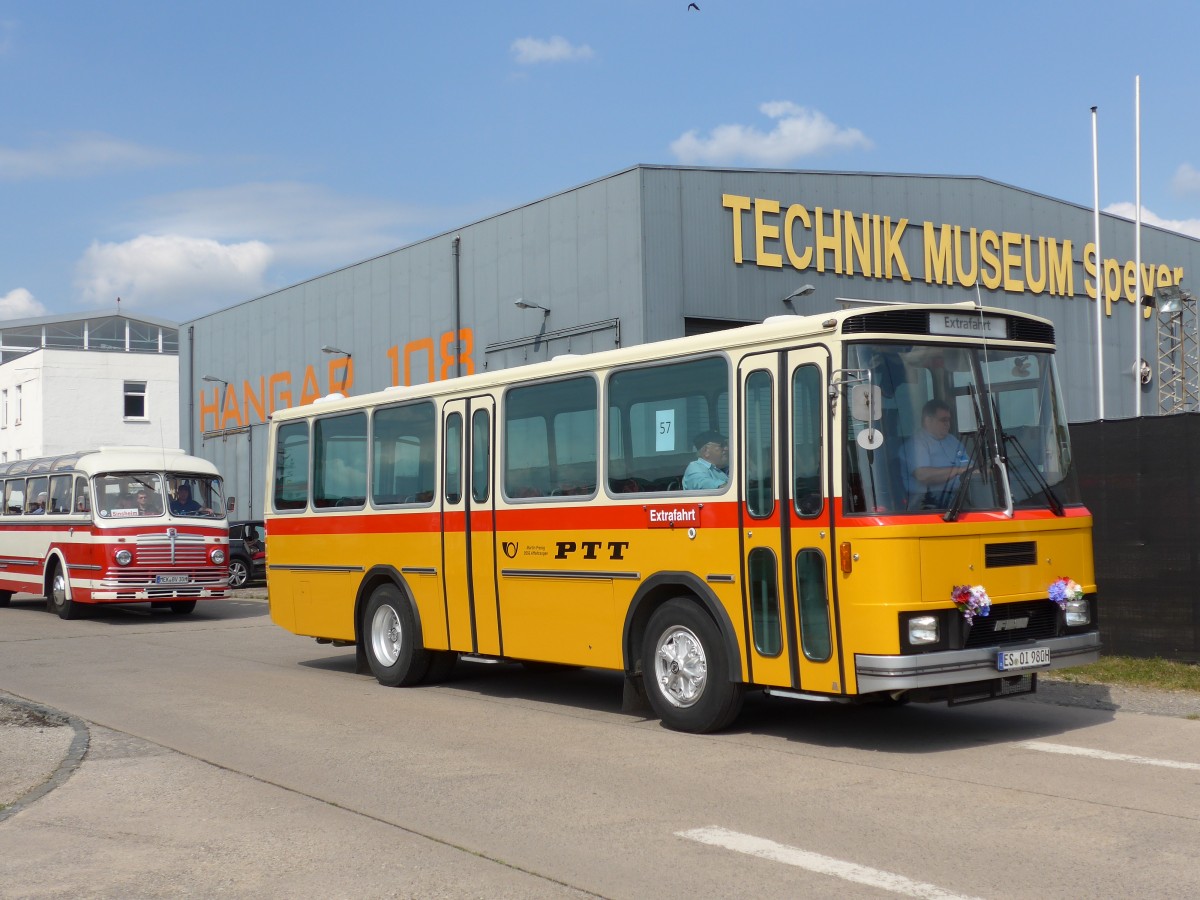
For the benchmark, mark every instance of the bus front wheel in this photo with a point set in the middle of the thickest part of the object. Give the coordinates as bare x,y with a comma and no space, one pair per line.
686,672
5,597
60,600
391,634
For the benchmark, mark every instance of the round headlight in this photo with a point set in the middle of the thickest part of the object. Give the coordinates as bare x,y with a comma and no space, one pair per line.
124,557
218,556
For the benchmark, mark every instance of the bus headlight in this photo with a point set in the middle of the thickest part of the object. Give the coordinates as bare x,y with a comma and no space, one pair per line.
217,556
923,630
1078,613
123,557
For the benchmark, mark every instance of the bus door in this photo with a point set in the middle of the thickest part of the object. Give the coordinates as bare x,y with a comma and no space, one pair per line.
786,516
468,525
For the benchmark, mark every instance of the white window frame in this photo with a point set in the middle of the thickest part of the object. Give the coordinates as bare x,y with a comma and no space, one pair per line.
130,390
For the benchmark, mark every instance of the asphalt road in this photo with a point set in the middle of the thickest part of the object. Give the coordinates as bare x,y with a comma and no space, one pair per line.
226,756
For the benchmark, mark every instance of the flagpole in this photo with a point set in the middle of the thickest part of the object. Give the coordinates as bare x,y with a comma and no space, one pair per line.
1100,287
1137,243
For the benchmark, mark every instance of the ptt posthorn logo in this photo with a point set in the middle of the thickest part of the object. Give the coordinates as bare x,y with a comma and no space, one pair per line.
510,549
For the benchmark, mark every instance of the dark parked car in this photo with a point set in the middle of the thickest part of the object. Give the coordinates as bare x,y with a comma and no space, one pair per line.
247,553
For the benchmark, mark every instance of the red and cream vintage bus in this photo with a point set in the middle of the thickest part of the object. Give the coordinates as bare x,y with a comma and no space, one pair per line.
113,525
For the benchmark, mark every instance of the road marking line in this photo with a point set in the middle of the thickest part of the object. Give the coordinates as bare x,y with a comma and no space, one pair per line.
815,862
1068,750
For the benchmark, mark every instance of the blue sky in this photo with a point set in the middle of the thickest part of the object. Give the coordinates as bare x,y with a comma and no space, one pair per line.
185,157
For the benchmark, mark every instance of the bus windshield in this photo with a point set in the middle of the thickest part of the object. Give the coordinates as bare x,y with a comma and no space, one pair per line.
127,495
949,429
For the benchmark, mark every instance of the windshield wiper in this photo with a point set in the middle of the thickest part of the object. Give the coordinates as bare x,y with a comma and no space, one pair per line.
964,480
1052,499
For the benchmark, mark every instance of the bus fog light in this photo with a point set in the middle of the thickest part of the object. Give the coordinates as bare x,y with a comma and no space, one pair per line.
923,630
123,557
217,556
1078,613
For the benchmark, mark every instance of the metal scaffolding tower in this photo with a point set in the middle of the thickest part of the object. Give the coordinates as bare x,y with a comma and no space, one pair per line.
1178,352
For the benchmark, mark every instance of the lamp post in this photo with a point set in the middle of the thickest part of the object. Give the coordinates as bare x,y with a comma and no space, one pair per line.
343,386
803,291
529,304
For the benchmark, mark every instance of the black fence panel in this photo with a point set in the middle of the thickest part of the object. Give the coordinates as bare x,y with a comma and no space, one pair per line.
1138,479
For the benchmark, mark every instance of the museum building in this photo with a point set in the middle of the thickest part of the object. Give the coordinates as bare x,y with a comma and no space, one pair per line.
656,252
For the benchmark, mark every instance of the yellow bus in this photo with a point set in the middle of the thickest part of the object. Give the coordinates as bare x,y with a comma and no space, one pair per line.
877,504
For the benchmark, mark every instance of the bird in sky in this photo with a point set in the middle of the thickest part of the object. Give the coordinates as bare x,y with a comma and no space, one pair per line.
693,6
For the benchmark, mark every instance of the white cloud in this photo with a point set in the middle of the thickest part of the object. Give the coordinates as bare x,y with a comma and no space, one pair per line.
530,51
85,154
798,132
304,225
200,250
1190,227
172,274
20,304
1186,180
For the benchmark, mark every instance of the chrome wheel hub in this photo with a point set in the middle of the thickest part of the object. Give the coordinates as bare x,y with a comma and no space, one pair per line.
386,635
680,668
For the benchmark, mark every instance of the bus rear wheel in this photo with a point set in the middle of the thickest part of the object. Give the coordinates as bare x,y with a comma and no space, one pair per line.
391,635
5,597
60,600
686,670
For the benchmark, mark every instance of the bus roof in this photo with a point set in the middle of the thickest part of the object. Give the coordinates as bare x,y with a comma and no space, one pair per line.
113,459
771,329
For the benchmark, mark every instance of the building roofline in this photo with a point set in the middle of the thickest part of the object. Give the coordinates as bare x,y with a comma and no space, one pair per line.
81,317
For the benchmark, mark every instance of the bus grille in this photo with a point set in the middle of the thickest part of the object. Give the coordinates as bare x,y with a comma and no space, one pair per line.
1013,553
160,550
1014,623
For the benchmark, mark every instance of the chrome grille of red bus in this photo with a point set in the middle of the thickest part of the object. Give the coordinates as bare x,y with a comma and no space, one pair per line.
161,550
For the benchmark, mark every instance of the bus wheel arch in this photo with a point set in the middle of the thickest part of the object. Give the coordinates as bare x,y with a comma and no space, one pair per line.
657,590
681,655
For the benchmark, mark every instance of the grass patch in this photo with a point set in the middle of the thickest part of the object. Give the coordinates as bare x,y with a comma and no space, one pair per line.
1159,674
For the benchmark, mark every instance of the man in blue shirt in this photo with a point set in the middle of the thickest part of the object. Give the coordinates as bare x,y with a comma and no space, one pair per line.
935,459
707,471
183,504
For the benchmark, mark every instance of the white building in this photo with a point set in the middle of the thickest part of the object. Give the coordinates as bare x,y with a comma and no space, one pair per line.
71,383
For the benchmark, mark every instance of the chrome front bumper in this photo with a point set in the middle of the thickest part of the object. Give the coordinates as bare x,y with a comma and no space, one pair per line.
923,670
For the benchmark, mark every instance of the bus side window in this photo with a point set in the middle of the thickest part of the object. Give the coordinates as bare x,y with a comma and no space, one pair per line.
291,466
654,412
550,439
60,494
403,464
340,461
14,496
83,497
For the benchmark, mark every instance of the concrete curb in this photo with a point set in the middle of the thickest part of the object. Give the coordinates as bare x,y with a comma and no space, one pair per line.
70,762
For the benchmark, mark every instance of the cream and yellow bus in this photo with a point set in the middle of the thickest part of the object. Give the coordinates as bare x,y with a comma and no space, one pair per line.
877,504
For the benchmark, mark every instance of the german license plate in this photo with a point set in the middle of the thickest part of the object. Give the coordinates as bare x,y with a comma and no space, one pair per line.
1030,658
171,579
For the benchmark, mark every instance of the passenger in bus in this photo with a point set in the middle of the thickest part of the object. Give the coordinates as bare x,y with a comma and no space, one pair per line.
148,503
935,459
185,505
708,470
39,506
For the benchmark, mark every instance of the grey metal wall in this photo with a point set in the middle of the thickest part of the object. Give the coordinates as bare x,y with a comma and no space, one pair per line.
577,253
633,255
